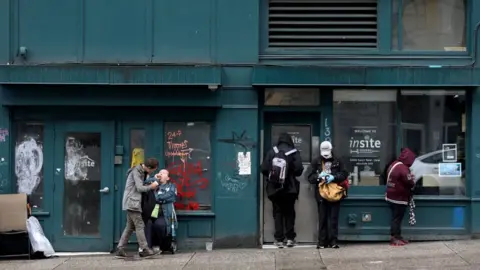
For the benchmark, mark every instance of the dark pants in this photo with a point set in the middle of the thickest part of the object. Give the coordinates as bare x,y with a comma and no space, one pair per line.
284,214
328,222
155,231
398,211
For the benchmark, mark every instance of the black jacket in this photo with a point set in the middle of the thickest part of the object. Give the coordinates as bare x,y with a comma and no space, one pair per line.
337,170
295,168
148,204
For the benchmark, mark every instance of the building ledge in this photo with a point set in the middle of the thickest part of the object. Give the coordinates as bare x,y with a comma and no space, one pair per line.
363,76
78,74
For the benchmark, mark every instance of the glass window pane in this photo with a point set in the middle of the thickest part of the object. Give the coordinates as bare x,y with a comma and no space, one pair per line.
187,158
137,147
364,133
292,97
436,25
29,162
81,196
433,127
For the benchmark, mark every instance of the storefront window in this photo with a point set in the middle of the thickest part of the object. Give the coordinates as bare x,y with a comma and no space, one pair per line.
292,97
433,126
187,151
429,25
365,133
29,162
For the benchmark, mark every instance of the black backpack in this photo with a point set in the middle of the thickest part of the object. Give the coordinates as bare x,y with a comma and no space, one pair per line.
279,169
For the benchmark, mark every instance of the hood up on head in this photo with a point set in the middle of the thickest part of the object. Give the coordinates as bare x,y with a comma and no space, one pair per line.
326,150
286,139
407,157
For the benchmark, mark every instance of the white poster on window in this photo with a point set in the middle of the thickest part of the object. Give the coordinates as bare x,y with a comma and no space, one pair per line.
244,163
449,152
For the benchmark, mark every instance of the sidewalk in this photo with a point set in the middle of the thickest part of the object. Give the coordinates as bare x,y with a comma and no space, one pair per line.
458,255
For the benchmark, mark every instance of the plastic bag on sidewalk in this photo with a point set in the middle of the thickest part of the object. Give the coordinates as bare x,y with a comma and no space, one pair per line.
37,238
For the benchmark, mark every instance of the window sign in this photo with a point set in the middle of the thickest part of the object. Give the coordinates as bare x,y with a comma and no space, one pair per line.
450,169
449,152
301,137
365,148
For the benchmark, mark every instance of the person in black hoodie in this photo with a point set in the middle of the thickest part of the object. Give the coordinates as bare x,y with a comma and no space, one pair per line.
283,198
328,168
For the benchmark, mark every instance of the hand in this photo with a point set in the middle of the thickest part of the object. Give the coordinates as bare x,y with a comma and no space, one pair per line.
157,176
329,178
154,185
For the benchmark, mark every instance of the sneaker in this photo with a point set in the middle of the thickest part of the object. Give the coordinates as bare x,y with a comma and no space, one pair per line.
335,246
147,253
396,242
278,244
319,246
403,240
120,253
156,249
290,243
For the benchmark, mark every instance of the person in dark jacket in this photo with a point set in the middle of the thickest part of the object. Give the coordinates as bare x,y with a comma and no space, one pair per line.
283,199
400,184
330,169
160,226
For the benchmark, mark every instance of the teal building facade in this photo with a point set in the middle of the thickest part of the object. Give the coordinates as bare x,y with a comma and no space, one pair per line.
90,88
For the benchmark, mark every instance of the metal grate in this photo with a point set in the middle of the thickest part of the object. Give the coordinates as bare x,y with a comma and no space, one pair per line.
322,24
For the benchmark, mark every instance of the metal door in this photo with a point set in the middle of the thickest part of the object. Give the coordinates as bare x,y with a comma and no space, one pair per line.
83,176
305,127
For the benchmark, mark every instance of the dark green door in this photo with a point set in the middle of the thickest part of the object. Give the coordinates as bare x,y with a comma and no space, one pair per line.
304,128
83,177
138,145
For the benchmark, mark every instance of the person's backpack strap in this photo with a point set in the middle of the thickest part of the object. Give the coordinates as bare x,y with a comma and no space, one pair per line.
393,167
275,149
291,152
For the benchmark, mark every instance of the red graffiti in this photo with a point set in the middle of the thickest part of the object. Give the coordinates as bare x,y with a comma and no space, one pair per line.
188,177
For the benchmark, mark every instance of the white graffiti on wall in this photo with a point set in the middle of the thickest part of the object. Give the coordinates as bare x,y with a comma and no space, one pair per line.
28,165
76,162
232,184
327,131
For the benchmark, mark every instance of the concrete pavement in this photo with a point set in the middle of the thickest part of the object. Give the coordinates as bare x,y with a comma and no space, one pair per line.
456,255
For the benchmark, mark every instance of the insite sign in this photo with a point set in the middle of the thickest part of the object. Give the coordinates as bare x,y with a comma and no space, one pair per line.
364,142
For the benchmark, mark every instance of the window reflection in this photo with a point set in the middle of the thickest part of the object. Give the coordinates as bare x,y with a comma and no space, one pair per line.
365,133
187,151
292,97
429,25
432,123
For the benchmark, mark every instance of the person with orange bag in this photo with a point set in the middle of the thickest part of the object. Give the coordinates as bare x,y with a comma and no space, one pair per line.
326,168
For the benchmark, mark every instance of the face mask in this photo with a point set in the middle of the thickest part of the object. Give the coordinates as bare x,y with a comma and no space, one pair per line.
327,155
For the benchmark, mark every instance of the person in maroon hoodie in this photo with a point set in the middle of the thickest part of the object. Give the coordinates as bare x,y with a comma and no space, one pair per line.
400,184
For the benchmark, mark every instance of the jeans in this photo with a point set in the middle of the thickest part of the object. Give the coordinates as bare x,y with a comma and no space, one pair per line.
156,231
328,222
398,211
284,214
134,223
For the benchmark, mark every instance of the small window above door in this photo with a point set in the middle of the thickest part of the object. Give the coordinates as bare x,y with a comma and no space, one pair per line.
292,97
